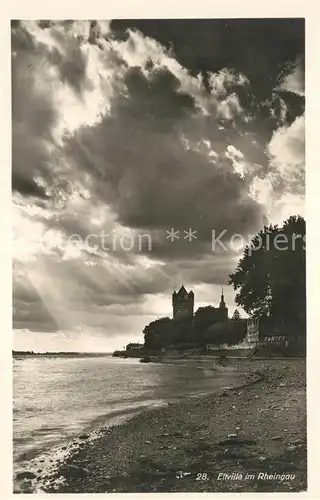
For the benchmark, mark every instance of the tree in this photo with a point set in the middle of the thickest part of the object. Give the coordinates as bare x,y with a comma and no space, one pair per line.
157,333
270,278
228,332
236,315
165,331
203,318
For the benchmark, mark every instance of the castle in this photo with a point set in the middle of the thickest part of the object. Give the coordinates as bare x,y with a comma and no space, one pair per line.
183,305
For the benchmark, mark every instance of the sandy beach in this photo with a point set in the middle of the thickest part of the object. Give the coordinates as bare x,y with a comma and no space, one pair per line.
251,437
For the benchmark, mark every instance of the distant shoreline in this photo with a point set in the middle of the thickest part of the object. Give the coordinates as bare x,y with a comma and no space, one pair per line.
19,354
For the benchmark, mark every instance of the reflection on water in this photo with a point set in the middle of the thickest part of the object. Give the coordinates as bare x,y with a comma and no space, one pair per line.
55,399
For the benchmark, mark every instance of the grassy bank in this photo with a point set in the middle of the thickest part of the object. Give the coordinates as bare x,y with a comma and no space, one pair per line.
248,438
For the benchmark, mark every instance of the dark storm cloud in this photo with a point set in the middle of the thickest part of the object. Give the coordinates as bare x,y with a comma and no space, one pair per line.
29,311
214,269
105,286
144,171
27,186
33,317
71,65
158,100
35,153
295,104
256,47
69,60
31,124
24,292
262,49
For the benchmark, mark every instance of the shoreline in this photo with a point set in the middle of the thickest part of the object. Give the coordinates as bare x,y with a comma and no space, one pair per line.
251,437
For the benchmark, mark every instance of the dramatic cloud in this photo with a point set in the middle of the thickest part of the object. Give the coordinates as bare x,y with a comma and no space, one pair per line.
287,155
293,81
122,133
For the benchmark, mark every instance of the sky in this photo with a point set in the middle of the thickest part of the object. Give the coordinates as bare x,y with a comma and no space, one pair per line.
145,154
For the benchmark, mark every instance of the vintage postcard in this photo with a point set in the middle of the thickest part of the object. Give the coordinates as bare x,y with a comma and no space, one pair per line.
159,255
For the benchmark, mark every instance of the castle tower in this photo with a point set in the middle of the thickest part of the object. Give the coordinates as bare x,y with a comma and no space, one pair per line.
223,308
182,303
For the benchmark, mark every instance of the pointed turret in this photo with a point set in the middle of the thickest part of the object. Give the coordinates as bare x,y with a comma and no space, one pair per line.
182,292
223,308
222,302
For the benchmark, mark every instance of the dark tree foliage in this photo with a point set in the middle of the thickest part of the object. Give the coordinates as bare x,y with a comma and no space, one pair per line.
229,332
205,316
164,332
270,279
156,332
